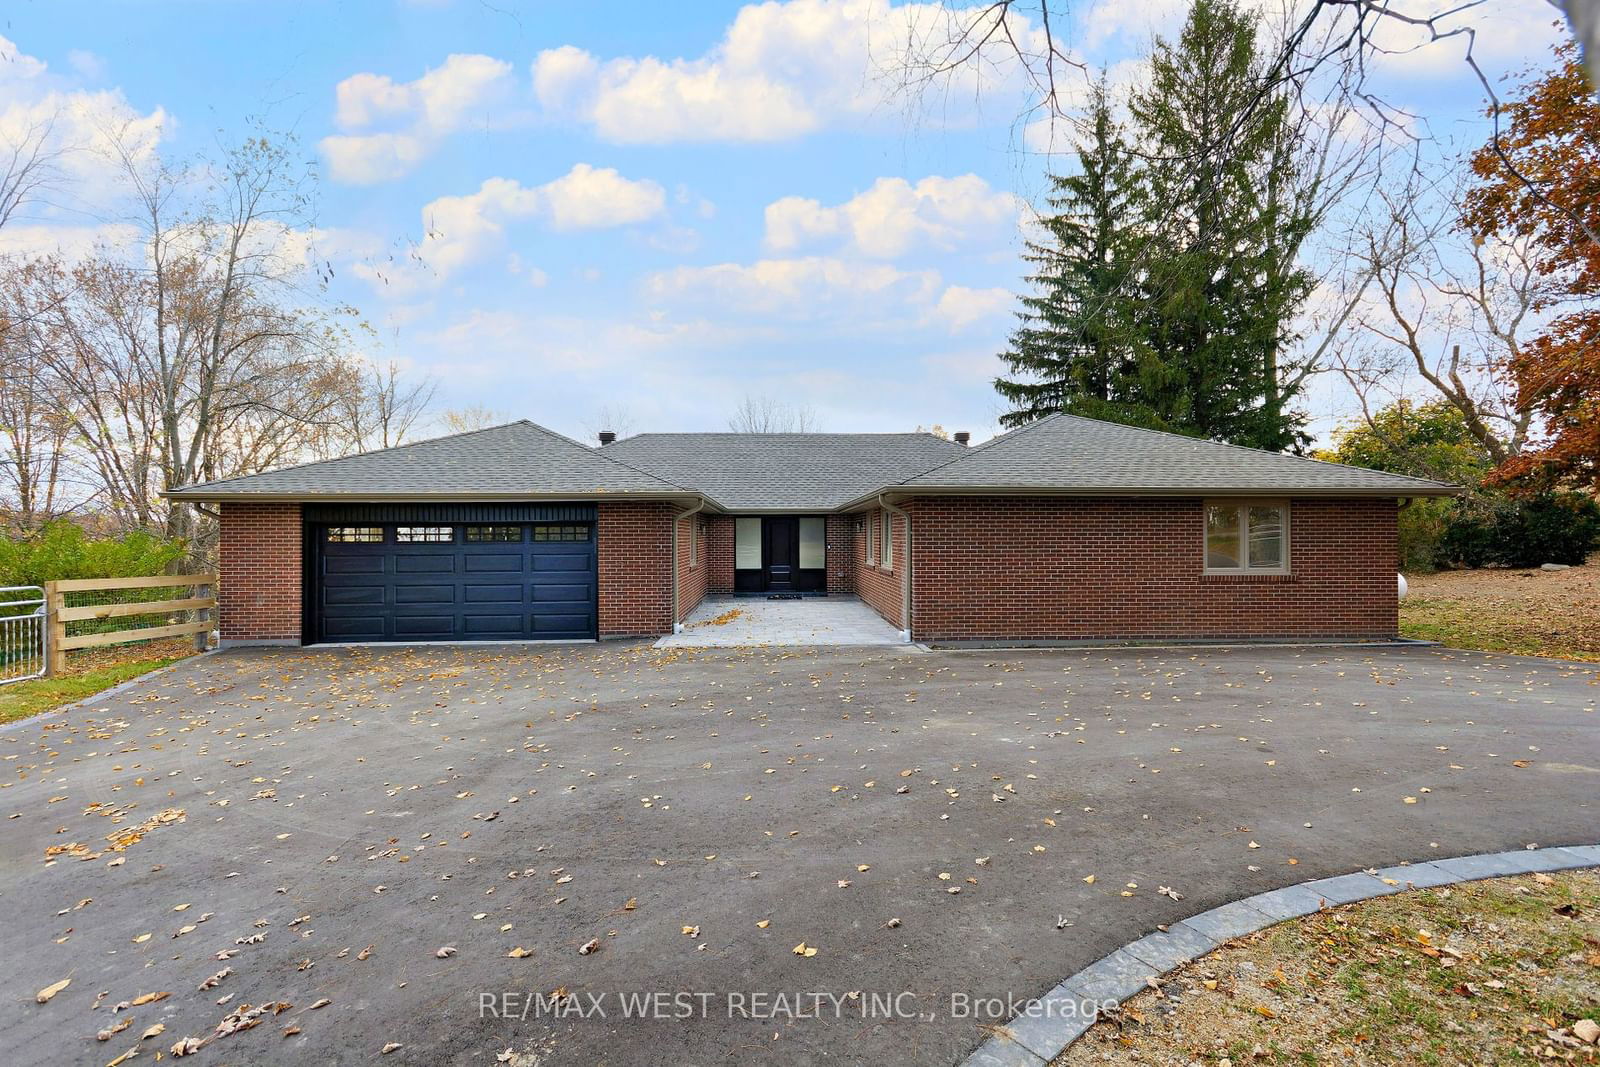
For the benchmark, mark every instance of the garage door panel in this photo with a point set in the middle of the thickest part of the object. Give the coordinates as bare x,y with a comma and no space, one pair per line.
493,625
424,594
456,590
354,629
424,564
343,564
493,562
354,596
492,594
425,627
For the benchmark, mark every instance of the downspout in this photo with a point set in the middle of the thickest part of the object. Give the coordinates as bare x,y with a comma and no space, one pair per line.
905,595
677,626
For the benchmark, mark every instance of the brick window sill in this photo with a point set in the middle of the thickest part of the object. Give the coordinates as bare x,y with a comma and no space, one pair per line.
1252,579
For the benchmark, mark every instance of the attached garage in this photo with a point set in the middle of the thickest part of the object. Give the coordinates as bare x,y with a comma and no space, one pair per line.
439,573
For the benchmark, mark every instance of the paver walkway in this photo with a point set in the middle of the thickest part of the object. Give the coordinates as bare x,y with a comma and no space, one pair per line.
728,621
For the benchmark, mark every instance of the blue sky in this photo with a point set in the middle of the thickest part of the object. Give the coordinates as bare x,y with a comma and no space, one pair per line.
557,209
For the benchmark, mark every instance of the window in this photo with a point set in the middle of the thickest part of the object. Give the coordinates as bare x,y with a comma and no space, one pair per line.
747,544
560,532
355,534
1247,538
813,544
496,534
694,542
886,542
425,535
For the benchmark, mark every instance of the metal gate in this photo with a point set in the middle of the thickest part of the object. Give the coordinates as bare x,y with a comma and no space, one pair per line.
23,632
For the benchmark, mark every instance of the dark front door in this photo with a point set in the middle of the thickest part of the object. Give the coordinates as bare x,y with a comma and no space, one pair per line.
781,553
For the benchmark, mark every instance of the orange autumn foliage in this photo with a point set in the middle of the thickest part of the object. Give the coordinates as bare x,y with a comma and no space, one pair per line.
1551,137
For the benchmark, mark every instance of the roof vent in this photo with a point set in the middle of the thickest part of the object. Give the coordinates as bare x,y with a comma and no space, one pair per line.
607,436
962,437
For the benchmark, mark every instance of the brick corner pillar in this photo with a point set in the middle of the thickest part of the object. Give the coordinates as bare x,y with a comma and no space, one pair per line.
634,548
259,592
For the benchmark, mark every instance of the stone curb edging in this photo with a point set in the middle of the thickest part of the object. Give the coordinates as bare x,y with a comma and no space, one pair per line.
1053,1021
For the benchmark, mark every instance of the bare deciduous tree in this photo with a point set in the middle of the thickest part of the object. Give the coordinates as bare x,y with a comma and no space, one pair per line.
472,417
1445,313
766,414
386,408
27,166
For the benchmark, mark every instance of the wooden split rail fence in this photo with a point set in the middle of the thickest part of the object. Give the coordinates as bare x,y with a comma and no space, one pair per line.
201,602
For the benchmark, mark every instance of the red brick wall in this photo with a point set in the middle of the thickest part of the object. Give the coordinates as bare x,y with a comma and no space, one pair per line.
719,553
1055,568
693,571
881,587
842,553
260,576
635,565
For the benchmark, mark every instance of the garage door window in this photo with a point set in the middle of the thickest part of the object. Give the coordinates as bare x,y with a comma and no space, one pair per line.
493,534
425,535
562,532
355,534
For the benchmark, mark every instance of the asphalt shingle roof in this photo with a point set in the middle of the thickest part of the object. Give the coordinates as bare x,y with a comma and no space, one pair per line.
1066,452
808,471
784,471
519,459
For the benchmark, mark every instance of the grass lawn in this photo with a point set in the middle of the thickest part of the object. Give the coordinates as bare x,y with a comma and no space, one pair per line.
1535,613
88,672
1499,972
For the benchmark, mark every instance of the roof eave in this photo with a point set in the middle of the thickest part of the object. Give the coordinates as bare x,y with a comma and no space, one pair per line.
902,492
213,496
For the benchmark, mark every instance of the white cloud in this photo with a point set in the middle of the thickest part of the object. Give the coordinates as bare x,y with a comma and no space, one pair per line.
783,69
895,217
81,128
961,307
389,127
461,230
809,289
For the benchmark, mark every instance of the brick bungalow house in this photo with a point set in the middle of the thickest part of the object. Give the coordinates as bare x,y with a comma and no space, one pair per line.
1065,530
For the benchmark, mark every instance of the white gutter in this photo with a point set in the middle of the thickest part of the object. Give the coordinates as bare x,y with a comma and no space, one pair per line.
677,625
905,595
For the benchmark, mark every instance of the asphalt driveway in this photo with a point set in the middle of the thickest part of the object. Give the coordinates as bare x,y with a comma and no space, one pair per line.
322,823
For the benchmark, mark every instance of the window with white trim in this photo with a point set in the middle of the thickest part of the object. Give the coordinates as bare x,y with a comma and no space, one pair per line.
1247,537
886,543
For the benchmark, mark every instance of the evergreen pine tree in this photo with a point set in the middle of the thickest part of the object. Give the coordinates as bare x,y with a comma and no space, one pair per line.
1219,281
1069,352
1167,292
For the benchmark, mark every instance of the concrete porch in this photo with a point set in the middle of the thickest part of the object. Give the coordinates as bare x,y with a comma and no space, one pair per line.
727,621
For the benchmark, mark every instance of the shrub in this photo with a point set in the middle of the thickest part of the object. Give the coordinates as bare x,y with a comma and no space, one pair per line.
62,550
1522,531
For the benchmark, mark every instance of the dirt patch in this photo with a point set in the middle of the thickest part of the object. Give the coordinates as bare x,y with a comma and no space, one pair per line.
1534,612
88,660
1502,972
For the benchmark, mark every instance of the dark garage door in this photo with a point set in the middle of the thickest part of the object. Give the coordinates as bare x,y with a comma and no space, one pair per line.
454,582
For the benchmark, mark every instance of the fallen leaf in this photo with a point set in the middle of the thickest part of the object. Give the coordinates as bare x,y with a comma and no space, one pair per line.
44,995
803,949
520,953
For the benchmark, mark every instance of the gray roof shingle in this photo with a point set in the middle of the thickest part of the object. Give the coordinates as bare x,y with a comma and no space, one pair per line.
784,471
1069,453
519,459
807,471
